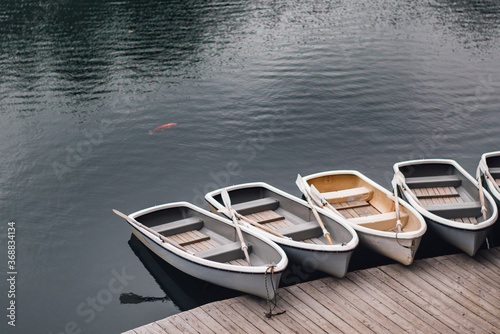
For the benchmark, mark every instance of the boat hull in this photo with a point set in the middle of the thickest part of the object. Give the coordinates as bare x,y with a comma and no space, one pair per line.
467,241
268,259
402,246
254,284
466,237
397,249
331,259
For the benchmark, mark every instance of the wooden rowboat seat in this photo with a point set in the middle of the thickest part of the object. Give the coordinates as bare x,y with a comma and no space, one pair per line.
348,195
257,205
494,170
179,226
434,181
306,230
225,253
456,210
384,221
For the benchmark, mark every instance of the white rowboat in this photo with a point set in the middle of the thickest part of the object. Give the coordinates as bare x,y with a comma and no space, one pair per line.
454,204
291,217
203,245
370,209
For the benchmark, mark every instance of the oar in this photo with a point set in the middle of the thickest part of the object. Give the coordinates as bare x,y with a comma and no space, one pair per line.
481,198
135,222
399,176
396,203
227,203
254,223
318,198
302,186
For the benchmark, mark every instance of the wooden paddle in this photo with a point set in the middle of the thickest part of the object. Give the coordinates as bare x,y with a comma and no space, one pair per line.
399,176
318,198
254,223
135,222
303,188
227,203
396,203
481,197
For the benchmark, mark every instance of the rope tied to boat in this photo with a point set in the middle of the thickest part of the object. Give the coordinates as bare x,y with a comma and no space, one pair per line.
407,247
270,268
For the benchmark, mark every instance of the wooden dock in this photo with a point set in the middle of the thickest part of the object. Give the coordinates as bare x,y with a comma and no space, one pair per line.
453,293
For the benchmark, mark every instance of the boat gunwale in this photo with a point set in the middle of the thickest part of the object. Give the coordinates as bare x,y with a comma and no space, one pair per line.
279,267
344,248
483,166
401,235
438,219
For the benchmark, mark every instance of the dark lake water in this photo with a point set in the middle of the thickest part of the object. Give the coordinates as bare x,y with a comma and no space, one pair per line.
275,88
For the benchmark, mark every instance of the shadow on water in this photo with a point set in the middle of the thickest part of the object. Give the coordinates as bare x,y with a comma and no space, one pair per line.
184,290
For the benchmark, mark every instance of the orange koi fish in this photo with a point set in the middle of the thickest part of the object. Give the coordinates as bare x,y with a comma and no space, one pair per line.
164,126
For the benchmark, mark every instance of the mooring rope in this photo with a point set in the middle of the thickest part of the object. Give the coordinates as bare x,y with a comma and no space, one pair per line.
408,247
275,299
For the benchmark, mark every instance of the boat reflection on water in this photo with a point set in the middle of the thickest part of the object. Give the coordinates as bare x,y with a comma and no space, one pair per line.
185,291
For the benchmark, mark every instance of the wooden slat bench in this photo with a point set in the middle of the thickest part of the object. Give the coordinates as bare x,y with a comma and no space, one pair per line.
350,205
494,171
458,210
225,253
436,192
434,181
348,195
179,226
265,217
302,231
383,221
257,205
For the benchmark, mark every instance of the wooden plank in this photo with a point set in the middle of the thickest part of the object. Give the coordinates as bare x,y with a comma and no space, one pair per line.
401,304
488,267
198,326
476,267
369,306
348,195
206,319
168,326
312,316
428,305
484,285
351,205
264,217
485,299
255,311
192,237
240,319
293,312
349,308
351,323
494,260
382,221
484,311
406,320
227,323
300,293
441,300
453,293
184,326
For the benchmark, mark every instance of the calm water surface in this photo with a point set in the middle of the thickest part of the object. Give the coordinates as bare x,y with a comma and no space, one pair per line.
272,87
